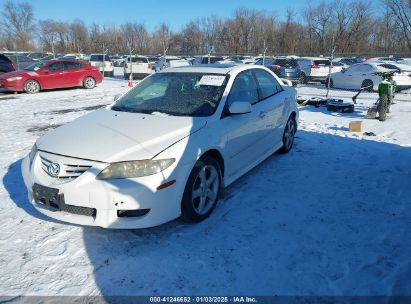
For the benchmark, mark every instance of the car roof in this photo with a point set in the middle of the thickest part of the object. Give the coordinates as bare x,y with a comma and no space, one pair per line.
222,69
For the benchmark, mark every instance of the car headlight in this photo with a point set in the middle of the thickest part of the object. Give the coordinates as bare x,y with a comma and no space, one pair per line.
33,153
136,168
14,78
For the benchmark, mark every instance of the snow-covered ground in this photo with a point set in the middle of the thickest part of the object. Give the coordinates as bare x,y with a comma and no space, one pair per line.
333,217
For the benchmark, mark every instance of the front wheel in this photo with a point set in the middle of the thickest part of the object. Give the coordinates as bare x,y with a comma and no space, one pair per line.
31,87
202,190
288,136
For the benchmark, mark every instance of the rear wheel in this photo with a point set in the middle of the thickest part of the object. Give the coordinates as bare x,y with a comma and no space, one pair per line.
367,85
202,190
89,83
31,86
288,136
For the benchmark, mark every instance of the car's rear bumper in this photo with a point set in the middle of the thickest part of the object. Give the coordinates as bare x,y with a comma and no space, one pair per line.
318,78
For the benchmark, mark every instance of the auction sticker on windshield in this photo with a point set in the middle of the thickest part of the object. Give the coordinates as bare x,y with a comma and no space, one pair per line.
212,80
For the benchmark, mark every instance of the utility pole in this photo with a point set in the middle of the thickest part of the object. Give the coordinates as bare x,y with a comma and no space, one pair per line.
104,58
265,51
131,64
331,63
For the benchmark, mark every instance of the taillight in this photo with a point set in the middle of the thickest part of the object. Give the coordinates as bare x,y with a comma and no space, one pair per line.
126,66
111,64
276,67
149,66
313,66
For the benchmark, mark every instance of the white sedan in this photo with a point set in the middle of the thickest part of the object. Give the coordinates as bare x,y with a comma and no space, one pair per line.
366,75
163,150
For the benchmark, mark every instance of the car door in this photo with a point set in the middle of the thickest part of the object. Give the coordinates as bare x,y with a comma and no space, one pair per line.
244,134
353,77
271,107
53,76
74,73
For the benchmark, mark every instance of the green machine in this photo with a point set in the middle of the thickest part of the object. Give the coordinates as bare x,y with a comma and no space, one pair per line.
386,90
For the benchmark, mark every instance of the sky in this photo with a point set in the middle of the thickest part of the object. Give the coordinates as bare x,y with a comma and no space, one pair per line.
150,12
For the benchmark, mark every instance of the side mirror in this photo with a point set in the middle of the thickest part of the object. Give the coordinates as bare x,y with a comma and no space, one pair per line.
239,107
117,97
287,82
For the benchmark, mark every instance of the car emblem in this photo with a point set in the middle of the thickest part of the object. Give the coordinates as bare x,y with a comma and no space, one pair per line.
53,169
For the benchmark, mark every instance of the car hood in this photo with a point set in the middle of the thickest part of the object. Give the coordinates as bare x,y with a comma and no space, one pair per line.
111,136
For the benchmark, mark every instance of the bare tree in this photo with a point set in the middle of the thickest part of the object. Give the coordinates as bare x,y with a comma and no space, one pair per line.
402,11
18,23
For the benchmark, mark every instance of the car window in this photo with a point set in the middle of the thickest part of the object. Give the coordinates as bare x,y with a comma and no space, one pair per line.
259,62
244,89
322,62
99,58
287,63
389,66
58,66
267,83
352,69
365,68
4,58
212,60
72,65
138,60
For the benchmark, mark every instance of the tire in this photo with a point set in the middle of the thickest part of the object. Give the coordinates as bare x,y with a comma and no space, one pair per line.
199,198
112,74
368,84
31,87
126,76
340,107
288,136
303,78
89,83
382,108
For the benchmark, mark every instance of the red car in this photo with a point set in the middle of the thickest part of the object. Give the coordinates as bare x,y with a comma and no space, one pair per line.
51,74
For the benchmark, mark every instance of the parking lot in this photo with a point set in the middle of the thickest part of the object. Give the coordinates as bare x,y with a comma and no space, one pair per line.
331,217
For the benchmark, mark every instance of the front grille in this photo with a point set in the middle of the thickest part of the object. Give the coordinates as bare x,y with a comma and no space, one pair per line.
79,210
67,171
51,198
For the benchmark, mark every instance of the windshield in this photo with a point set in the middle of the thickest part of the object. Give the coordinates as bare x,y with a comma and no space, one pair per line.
177,94
35,66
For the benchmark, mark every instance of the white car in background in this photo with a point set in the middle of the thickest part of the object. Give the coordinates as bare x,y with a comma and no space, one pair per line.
315,69
208,59
365,75
163,150
170,62
139,66
103,62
